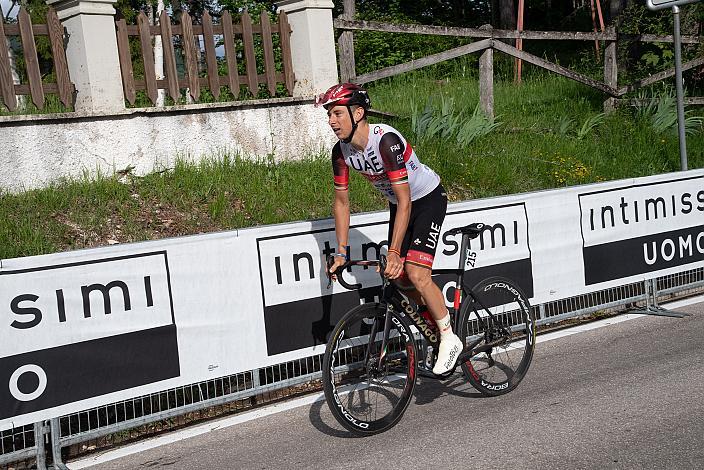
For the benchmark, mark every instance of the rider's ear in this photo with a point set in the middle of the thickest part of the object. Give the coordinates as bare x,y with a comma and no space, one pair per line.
358,113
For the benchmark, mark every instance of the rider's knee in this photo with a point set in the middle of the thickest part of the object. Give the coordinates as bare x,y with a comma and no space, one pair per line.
420,277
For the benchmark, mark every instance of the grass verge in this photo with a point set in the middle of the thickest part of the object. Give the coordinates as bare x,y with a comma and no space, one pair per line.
551,134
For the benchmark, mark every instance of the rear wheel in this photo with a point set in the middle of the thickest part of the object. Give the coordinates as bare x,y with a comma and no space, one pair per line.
504,341
368,389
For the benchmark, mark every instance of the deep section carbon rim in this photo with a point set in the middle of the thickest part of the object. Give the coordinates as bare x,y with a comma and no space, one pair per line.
367,388
504,341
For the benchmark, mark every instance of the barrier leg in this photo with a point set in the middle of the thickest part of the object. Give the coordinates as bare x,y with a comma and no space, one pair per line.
651,303
39,433
56,445
663,310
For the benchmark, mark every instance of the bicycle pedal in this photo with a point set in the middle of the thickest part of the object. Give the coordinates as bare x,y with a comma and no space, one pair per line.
465,355
446,375
427,373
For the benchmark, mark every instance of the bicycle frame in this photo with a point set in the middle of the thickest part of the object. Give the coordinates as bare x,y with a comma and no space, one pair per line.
392,298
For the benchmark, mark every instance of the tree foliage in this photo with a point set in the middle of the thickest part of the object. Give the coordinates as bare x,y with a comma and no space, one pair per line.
374,50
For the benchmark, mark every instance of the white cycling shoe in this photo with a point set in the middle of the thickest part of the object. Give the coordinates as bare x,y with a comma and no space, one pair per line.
448,352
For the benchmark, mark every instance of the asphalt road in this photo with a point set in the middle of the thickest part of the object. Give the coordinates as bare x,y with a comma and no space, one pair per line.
628,395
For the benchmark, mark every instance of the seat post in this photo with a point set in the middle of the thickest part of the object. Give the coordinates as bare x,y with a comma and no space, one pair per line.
464,245
463,250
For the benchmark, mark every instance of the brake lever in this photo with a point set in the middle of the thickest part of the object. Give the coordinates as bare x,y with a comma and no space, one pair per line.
338,272
328,264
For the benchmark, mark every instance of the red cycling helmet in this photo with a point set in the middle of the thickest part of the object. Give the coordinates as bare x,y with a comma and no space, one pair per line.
344,94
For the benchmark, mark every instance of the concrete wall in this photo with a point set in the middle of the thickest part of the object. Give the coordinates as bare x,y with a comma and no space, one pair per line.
38,150
103,137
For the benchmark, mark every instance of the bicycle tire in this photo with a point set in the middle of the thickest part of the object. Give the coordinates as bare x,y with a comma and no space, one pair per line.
503,363
363,397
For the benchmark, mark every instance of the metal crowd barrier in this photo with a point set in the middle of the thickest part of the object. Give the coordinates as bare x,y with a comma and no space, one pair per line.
171,408
21,444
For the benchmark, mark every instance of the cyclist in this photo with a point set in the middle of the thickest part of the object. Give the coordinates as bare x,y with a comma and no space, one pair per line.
417,202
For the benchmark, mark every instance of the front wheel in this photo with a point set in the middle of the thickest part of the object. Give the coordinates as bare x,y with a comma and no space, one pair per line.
368,389
499,324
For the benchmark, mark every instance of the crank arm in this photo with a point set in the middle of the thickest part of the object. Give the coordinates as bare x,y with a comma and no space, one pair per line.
429,374
467,354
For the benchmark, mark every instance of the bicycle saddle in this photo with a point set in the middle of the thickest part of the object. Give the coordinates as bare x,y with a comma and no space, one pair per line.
473,230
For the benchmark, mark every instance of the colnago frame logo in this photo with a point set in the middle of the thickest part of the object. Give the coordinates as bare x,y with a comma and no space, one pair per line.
642,228
299,310
81,330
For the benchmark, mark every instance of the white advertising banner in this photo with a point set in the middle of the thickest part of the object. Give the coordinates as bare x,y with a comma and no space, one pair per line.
87,328
641,228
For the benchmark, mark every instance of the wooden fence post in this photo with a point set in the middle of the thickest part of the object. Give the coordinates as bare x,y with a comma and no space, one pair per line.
249,53
145,37
267,42
56,38
486,82
348,67
6,83
31,59
123,46
211,60
285,35
189,50
230,54
169,57
611,71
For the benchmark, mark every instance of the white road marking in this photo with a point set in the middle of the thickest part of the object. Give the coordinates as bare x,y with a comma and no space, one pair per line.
176,436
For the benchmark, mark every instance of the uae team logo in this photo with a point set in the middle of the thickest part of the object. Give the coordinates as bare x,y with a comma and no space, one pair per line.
81,330
639,229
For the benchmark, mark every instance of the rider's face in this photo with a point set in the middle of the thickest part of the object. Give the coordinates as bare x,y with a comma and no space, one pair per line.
339,121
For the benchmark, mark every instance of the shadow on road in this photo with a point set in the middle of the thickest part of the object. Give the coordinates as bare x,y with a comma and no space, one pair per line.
316,420
426,391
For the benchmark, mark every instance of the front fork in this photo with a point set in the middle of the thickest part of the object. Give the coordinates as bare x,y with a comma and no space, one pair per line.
369,353
385,338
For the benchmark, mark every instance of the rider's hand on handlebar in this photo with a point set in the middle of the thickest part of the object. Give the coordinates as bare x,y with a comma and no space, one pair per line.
338,261
394,266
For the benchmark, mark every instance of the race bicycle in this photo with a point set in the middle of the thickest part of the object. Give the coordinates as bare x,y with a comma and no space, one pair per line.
377,350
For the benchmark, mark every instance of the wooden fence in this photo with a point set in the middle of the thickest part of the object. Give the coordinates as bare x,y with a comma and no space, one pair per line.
492,40
212,80
36,87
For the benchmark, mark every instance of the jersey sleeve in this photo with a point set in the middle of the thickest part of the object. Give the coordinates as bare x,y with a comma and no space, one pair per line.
393,154
340,172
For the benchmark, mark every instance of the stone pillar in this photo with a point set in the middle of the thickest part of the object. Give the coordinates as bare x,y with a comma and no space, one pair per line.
312,44
91,52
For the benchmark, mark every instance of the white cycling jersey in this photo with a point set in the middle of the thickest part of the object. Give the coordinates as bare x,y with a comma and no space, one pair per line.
388,159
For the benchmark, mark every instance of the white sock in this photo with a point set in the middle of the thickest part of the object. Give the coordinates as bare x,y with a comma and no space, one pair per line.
445,326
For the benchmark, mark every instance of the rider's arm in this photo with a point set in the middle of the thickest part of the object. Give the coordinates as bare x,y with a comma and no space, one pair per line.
403,214
341,204
341,212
